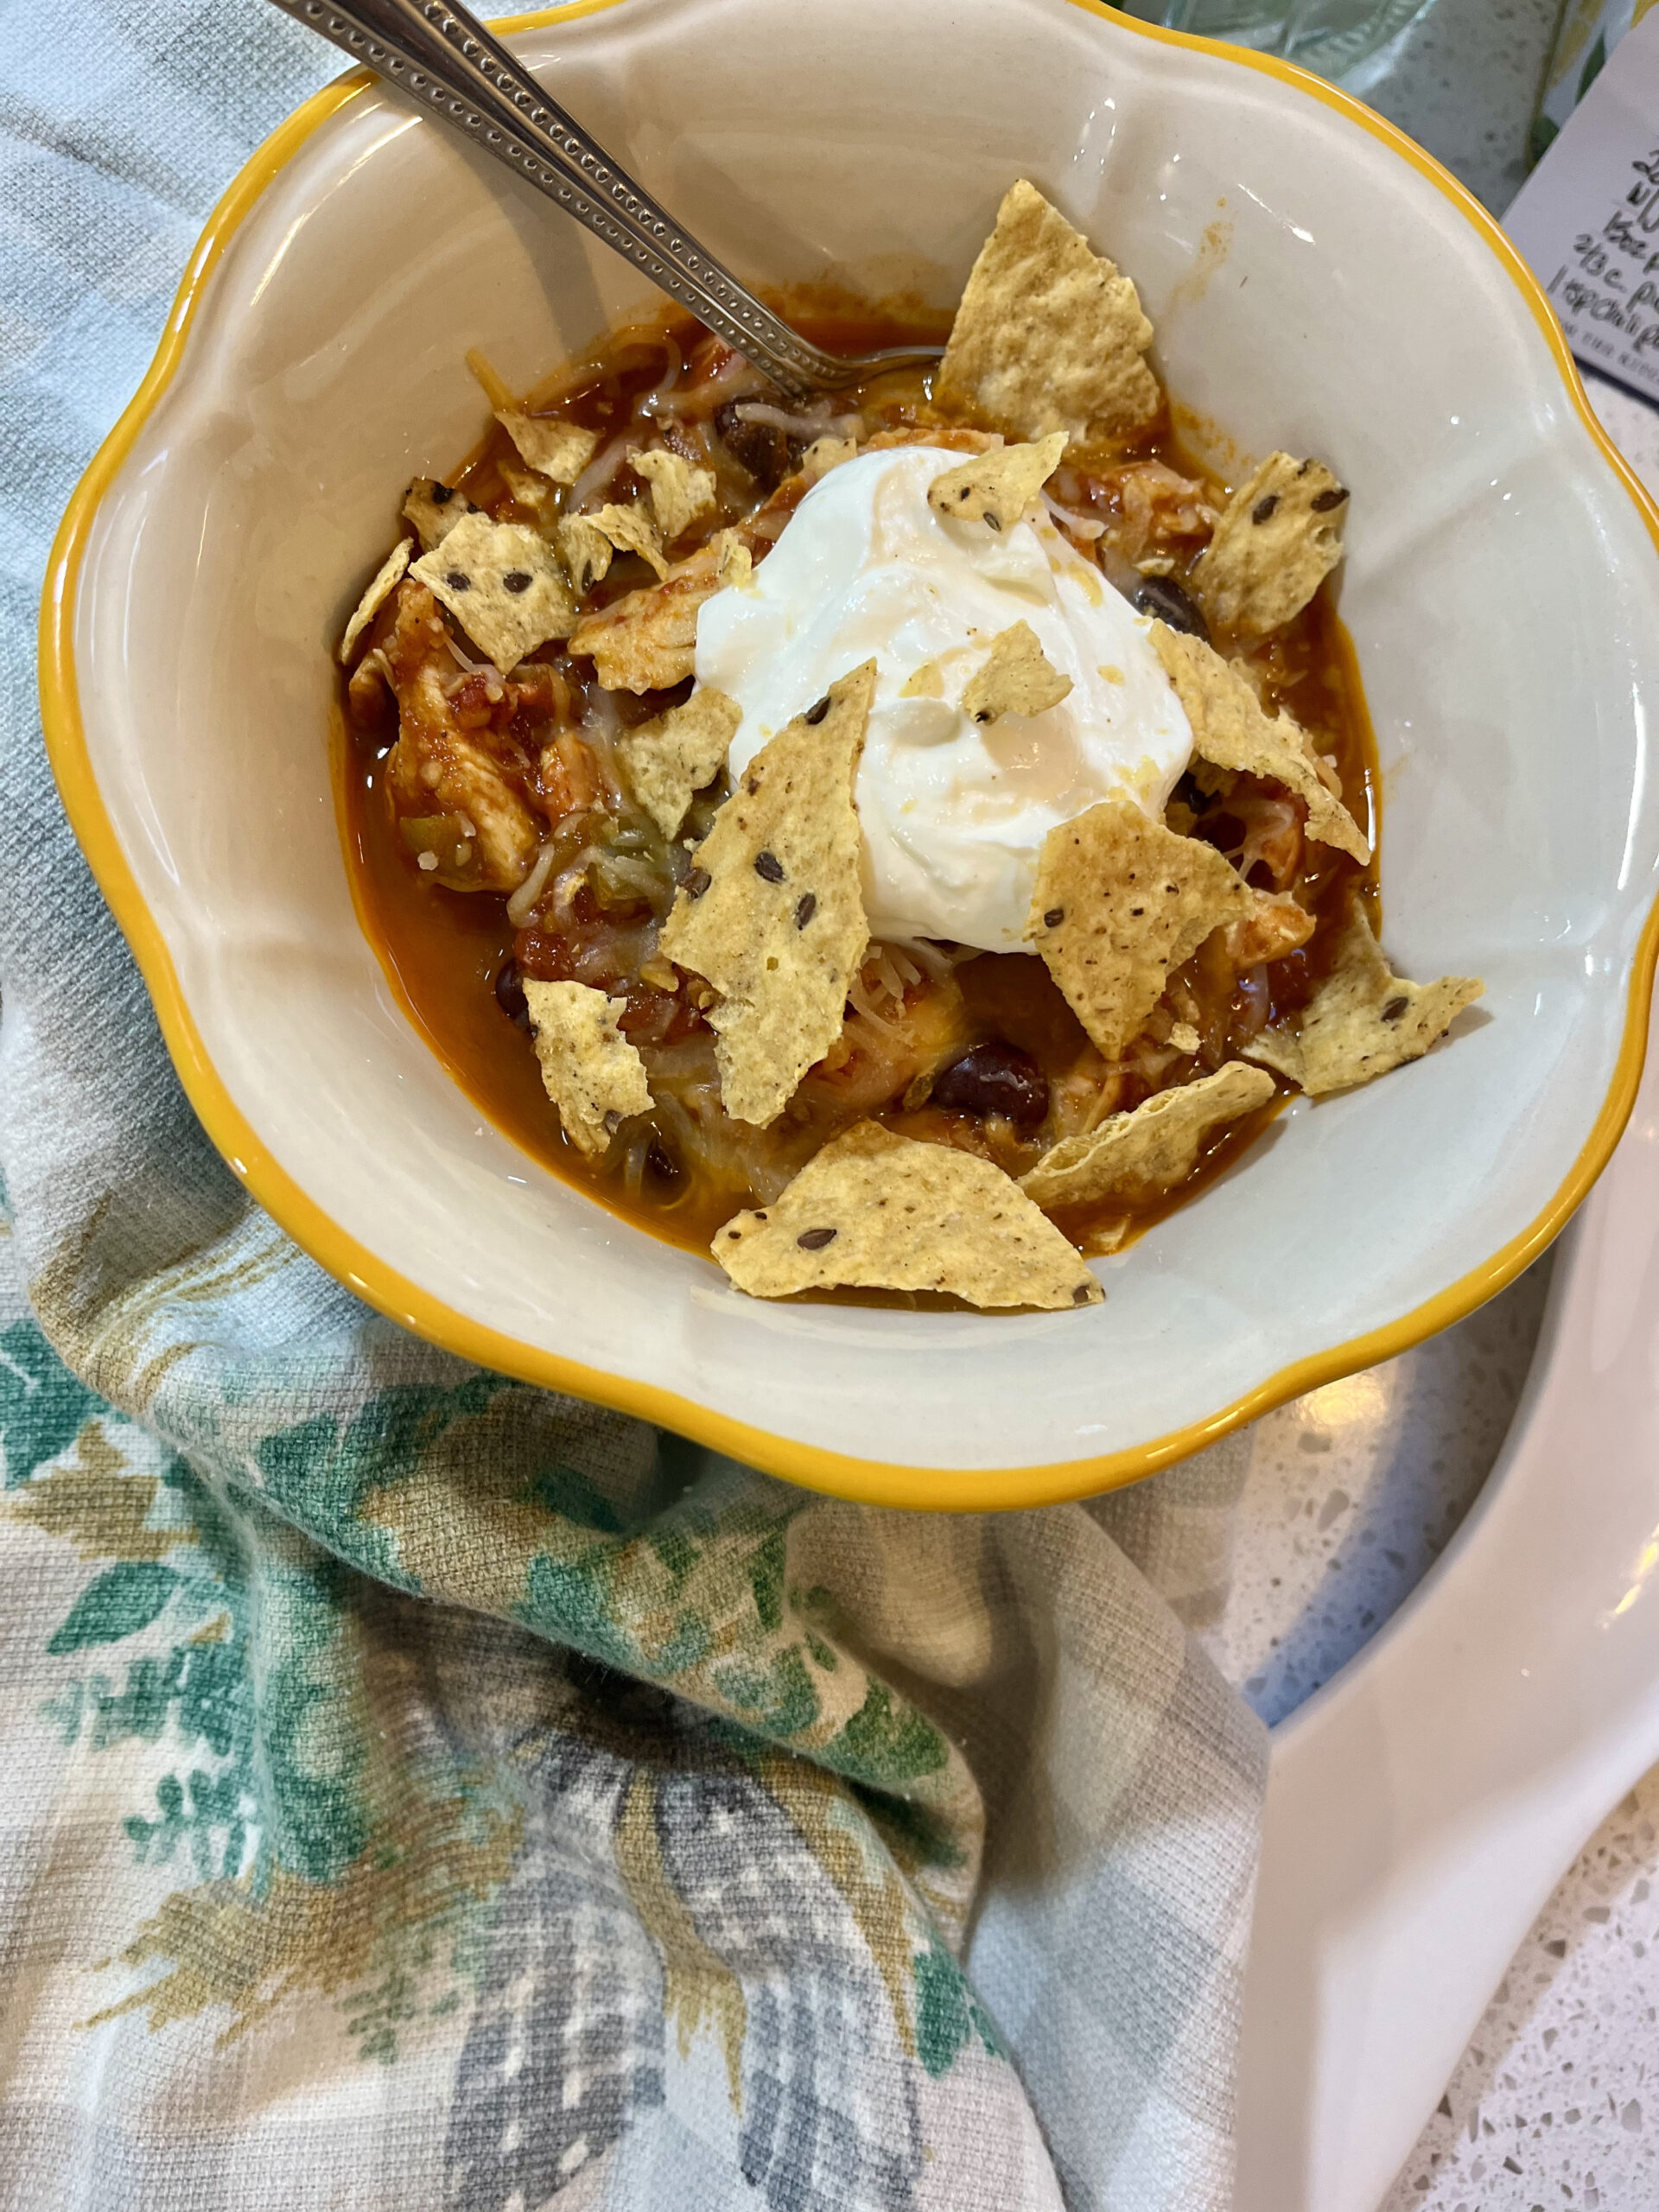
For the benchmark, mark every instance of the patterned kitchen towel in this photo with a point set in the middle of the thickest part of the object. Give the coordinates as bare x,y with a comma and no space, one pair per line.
421,1790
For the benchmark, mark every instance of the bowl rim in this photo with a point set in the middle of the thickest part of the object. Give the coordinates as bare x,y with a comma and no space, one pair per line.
424,1313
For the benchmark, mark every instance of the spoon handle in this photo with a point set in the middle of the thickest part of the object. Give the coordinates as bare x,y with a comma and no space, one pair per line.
446,60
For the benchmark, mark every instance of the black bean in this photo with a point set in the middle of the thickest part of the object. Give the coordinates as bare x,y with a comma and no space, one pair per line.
805,906
1163,596
994,1079
1323,503
766,452
697,882
814,1240
441,495
769,868
815,713
1395,1008
1265,507
1080,1295
456,582
1053,917
510,994
516,580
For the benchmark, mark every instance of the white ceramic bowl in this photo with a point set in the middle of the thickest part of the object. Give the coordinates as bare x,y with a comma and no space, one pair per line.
1315,281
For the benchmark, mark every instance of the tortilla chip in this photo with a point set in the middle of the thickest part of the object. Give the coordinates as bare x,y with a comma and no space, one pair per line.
387,578
825,454
1362,1020
678,753
1231,730
1049,335
553,449
586,551
733,562
630,530
679,492
879,1212
591,1073
647,640
435,510
527,487
1119,902
1017,678
773,913
1279,538
503,584
997,487
1135,1156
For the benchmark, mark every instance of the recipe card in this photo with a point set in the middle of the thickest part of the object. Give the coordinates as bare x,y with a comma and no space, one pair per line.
1587,219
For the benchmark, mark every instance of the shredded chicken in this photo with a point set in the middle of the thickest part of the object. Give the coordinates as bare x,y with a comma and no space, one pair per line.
647,640
1156,508
1275,927
440,768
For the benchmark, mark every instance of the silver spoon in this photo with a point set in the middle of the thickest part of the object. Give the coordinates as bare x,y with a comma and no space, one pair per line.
446,60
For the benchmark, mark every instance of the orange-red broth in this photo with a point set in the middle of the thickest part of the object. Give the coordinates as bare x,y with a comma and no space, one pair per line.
686,1169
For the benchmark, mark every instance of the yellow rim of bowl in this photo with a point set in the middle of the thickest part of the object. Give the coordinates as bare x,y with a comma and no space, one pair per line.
969,1490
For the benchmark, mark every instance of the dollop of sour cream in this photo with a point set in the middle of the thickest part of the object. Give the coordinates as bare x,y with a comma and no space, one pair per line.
953,812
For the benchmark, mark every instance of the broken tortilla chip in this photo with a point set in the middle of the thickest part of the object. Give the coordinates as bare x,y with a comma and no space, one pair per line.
678,753
679,492
772,913
553,449
733,562
1049,335
1119,902
1135,1156
647,640
503,584
591,1073
387,578
435,510
825,454
630,530
1017,678
528,487
1231,730
586,551
877,1211
1363,1021
588,541
1279,536
997,487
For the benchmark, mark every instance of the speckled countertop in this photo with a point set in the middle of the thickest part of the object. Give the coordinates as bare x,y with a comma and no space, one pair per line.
1555,2103
1345,1497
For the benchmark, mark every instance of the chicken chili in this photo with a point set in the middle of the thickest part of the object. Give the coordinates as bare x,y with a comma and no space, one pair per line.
729,781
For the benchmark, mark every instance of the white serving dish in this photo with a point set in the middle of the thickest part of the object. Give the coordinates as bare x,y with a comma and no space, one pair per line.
1422,1806
1316,282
